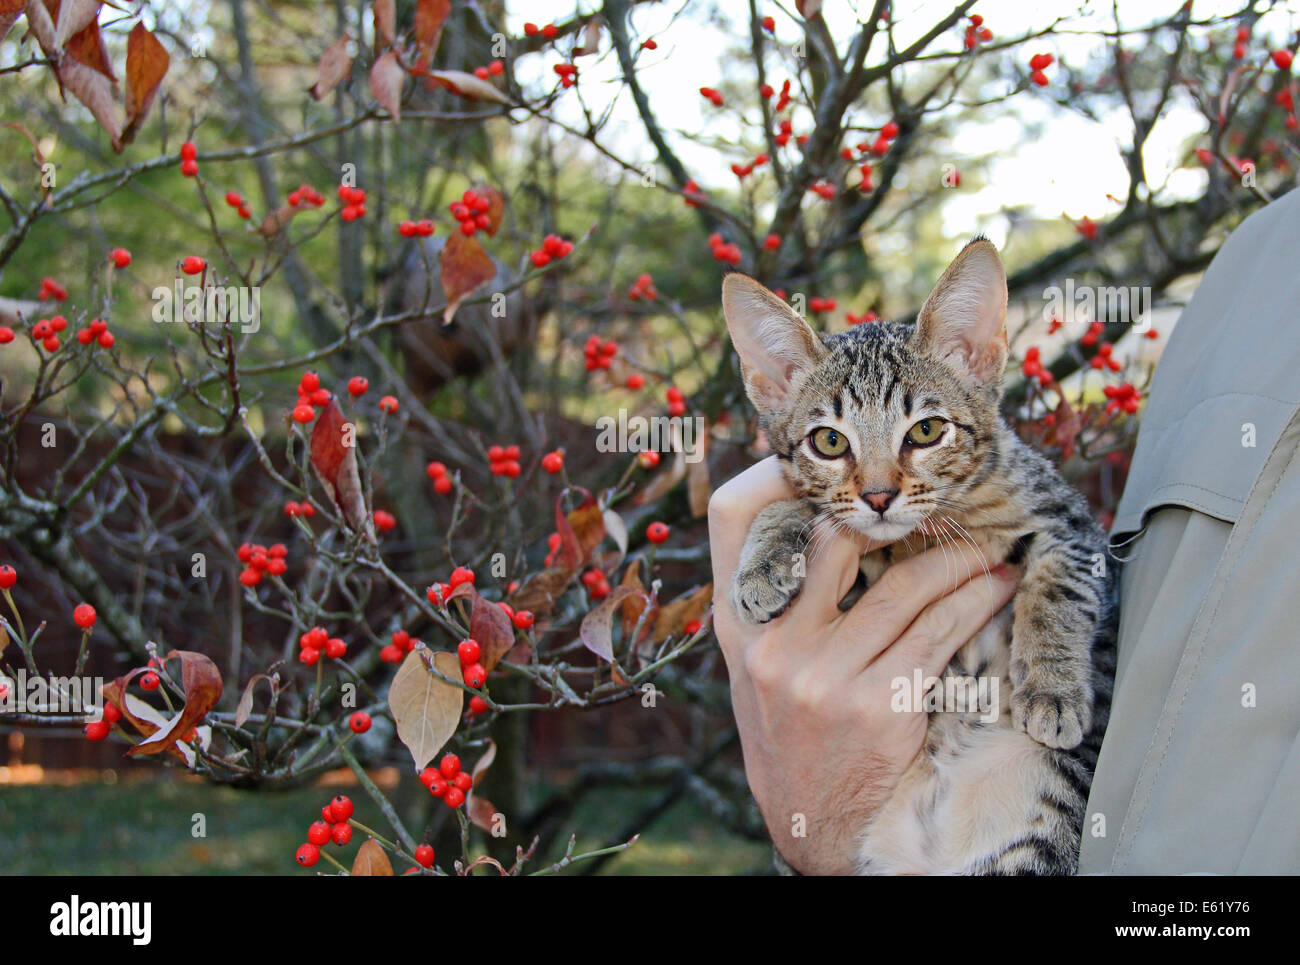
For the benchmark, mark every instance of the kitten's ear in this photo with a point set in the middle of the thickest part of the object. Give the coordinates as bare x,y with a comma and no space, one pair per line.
963,320
775,345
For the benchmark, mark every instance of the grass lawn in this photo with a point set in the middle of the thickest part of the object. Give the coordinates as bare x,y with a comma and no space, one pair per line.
144,827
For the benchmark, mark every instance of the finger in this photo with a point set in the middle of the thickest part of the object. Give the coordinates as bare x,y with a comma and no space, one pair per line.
895,600
831,562
732,509
949,623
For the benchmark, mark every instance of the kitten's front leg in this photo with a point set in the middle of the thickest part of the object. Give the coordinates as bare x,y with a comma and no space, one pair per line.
771,570
1057,609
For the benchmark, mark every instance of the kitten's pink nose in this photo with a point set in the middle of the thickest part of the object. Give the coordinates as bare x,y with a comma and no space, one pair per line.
880,500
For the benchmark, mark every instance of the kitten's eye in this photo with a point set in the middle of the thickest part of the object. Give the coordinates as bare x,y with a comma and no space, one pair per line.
926,432
830,443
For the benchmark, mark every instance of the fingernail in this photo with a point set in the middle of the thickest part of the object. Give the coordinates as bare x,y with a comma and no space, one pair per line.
1004,571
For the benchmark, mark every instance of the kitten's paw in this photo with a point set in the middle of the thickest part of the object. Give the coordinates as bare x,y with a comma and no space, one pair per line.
763,591
1054,715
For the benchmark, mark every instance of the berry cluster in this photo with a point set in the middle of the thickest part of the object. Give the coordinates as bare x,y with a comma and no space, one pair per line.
676,401
553,462
712,95
503,461
1037,64
784,131
384,520
236,200
723,250
262,561
395,652
1033,367
52,289
189,160
437,471
308,197
553,248
550,31
46,331
1124,396
447,781
599,355
332,827
120,257
354,203
568,74
493,69
692,194
317,641
866,318
472,672
823,189
310,397
1088,228
98,730
743,171
472,211
643,287
438,592
522,619
976,32
304,509
96,331
1093,335
416,229
819,304
596,583
1104,359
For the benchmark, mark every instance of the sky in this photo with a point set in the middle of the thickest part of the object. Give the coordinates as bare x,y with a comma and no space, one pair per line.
1067,169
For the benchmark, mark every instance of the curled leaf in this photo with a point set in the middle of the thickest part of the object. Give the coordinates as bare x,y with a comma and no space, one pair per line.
488,624
334,458
385,14
335,65
479,809
74,16
597,630
94,90
387,79
465,267
201,682
467,86
430,15
245,707
146,65
425,708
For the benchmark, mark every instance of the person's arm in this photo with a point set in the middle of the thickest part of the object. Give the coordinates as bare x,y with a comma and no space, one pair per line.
811,690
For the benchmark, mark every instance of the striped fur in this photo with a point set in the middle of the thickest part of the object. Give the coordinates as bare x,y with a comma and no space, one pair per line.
1002,797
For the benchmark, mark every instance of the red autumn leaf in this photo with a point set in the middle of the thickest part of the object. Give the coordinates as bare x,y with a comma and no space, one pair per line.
480,810
146,65
335,65
541,590
466,85
94,90
496,206
334,457
597,630
73,17
430,15
10,11
635,606
588,524
570,554
132,709
385,14
87,46
465,267
201,682
488,624
387,79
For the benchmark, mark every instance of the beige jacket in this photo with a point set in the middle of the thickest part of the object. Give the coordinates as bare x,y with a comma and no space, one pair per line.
1200,767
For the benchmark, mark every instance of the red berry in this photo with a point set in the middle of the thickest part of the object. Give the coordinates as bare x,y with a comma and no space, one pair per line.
319,833
307,855
121,257
342,808
388,404
692,628
475,676
112,714
303,414
635,381
357,385
424,856
359,722
106,340
469,652
189,169
656,532
150,681
478,706
335,648
463,781
6,334
553,462
454,798
97,730
449,766
309,656
341,834
193,264
461,574
523,619
429,775
84,616
438,786
1282,58
442,485
8,577
384,520
648,459
436,470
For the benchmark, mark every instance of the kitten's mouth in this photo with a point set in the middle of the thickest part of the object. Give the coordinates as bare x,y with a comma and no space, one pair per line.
881,530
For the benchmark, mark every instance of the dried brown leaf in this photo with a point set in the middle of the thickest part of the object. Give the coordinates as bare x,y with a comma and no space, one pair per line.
146,65
430,15
467,85
387,80
334,67
465,267
372,861
425,708
335,463
201,682
597,630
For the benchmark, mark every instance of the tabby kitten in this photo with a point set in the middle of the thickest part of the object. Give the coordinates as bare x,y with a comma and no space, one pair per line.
893,430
